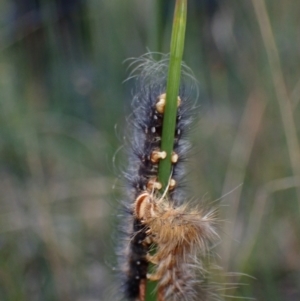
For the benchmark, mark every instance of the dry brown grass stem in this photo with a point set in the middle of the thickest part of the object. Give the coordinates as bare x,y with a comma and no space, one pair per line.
47,234
259,210
239,158
295,95
283,99
43,217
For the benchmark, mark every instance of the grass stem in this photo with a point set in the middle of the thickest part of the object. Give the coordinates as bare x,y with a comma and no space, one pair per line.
282,95
173,83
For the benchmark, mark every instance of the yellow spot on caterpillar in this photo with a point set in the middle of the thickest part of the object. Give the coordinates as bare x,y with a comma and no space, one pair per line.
172,184
174,158
153,184
161,103
157,155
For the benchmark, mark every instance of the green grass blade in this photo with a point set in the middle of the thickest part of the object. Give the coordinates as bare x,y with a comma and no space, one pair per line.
173,83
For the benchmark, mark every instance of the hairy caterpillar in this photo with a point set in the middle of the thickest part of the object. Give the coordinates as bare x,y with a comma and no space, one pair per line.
178,232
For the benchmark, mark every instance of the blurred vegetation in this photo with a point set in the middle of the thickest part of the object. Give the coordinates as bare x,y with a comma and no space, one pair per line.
61,95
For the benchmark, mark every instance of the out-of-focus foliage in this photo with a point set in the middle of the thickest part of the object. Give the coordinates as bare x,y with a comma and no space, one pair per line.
61,95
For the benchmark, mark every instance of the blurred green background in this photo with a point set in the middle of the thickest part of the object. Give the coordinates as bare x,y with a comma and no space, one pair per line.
63,107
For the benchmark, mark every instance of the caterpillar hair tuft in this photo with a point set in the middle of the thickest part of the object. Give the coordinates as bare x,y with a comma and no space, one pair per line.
180,234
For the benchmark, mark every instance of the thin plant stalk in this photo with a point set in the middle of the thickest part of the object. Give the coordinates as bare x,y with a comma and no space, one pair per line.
173,83
281,92
169,122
